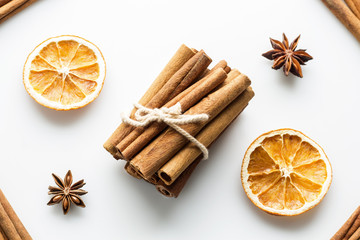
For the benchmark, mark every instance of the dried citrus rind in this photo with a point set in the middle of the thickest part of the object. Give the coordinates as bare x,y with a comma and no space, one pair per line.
65,72
285,173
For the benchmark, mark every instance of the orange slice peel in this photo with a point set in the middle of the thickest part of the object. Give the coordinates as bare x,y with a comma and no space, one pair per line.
285,172
64,73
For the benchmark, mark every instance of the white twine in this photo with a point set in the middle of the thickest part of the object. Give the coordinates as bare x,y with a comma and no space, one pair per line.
172,116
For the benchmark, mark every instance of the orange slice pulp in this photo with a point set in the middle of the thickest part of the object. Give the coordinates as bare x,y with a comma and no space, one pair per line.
65,72
285,173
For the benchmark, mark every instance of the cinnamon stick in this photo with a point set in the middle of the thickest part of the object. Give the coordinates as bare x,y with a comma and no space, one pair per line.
2,235
13,7
7,226
3,2
131,171
148,162
221,64
234,73
182,55
182,78
345,15
353,228
153,179
206,85
14,219
191,70
177,165
196,71
354,5
341,233
356,235
357,5
174,189
227,69
231,76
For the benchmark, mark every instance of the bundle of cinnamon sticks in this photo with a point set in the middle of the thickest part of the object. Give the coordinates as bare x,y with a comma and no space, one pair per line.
158,153
9,8
11,227
348,12
351,228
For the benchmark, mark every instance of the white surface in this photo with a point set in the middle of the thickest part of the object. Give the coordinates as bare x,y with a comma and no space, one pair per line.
137,38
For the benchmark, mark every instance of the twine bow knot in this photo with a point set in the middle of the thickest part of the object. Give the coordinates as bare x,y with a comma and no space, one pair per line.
172,116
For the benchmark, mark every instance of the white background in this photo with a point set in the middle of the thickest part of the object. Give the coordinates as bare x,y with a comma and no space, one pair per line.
137,38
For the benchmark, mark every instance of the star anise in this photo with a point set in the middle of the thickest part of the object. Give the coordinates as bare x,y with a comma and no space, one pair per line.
67,192
284,55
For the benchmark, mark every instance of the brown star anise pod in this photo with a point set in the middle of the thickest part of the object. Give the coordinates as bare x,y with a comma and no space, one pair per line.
67,192
285,56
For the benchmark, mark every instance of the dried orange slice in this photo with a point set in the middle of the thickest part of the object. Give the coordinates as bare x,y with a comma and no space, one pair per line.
285,173
65,72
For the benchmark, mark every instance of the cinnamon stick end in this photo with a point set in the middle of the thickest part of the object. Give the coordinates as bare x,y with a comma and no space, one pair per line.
164,191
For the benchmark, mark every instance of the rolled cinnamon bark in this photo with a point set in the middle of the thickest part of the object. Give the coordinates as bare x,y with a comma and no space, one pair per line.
13,7
194,73
221,64
181,79
234,73
340,234
153,180
7,226
174,189
150,132
182,55
356,235
357,6
177,165
131,171
158,152
355,226
2,235
189,100
345,15
3,2
227,69
14,219
190,71
229,77
354,5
